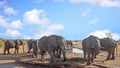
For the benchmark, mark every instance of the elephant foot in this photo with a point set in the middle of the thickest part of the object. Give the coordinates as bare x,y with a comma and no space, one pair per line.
95,57
107,59
88,63
4,54
112,58
9,53
64,60
51,61
59,57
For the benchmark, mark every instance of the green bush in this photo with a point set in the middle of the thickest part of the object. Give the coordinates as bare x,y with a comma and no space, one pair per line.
1,43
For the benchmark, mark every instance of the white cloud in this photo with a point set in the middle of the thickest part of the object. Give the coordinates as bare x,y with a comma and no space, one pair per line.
47,30
10,11
12,33
103,3
2,3
56,27
38,17
3,22
110,3
103,34
35,17
94,21
13,25
58,0
85,12
16,24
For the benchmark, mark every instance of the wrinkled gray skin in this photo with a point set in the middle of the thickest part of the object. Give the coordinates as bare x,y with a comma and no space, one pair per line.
11,44
52,44
108,45
91,48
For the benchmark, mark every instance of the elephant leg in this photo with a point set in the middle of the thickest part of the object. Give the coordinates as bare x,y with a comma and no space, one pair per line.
8,51
108,57
113,55
29,50
84,55
54,53
59,53
93,54
88,60
17,50
42,56
51,56
4,51
64,54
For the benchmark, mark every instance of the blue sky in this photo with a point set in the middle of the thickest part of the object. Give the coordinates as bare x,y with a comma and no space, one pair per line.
73,19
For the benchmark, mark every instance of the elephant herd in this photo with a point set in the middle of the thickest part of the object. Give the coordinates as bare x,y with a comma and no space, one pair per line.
56,45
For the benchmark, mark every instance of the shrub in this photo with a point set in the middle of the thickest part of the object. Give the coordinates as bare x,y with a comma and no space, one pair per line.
1,43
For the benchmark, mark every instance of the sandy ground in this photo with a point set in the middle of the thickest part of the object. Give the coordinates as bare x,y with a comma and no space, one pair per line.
74,60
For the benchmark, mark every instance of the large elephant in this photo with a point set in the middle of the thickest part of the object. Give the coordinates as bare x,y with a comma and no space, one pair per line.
56,43
91,48
11,44
109,45
52,44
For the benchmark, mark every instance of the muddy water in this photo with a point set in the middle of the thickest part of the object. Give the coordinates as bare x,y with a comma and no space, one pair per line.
76,50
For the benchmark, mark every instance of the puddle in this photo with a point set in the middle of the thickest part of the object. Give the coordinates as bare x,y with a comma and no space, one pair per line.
76,50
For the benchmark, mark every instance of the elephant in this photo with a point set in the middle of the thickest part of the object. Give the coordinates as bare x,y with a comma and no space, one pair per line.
69,43
109,45
29,45
11,44
54,44
91,47
32,44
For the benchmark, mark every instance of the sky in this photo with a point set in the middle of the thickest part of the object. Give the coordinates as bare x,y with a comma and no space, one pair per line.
72,19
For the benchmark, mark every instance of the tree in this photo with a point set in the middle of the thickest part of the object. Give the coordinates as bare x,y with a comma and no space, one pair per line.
109,35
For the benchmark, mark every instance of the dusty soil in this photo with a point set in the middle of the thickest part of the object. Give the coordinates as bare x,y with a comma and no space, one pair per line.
74,60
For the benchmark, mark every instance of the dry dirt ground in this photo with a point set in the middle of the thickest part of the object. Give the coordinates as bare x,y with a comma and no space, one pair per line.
74,60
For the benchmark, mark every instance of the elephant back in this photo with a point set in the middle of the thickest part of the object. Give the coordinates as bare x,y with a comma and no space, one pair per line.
107,42
43,43
10,43
90,43
52,40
